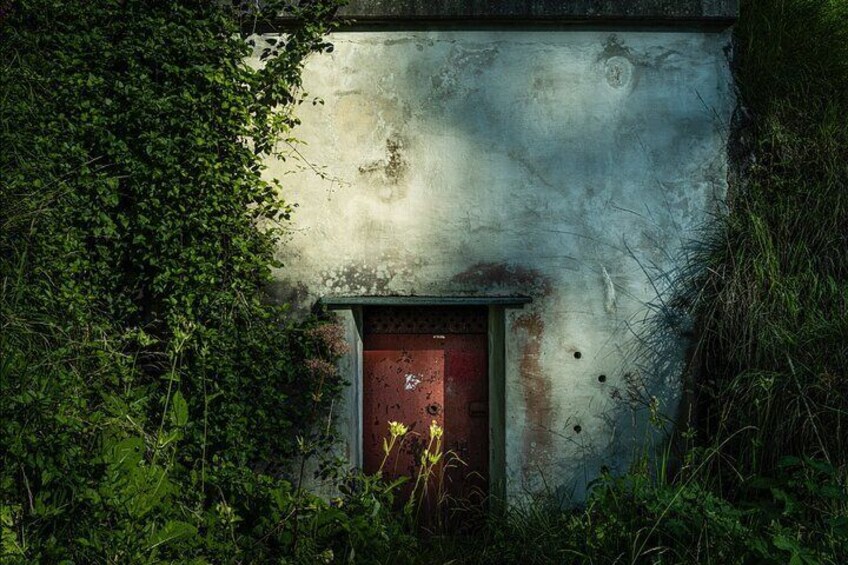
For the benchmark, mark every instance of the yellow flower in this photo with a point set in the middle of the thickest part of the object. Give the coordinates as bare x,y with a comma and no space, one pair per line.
397,429
436,431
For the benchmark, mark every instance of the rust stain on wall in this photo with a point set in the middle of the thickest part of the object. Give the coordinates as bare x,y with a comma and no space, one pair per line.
503,275
536,386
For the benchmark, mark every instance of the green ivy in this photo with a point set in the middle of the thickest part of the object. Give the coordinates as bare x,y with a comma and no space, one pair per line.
155,407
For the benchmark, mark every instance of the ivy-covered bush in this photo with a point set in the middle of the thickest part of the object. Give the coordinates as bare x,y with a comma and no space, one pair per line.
154,406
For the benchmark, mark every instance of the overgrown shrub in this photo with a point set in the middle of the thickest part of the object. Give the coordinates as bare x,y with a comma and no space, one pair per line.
154,407
773,308
636,519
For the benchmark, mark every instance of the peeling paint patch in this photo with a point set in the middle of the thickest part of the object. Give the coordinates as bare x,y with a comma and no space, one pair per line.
396,167
411,381
391,170
618,72
356,279
619,67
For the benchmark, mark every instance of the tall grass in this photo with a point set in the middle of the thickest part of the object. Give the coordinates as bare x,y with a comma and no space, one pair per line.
773,309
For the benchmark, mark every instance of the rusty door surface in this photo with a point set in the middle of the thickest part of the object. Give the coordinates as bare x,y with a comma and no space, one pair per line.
426,364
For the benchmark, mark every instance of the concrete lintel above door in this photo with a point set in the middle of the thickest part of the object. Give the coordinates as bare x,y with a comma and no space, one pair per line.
337,302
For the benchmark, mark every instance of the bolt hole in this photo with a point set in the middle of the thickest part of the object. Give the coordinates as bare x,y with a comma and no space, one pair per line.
577,429
602,378
577,355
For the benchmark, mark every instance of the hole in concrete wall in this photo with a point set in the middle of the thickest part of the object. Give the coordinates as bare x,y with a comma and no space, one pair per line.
577,429
602,378
577,355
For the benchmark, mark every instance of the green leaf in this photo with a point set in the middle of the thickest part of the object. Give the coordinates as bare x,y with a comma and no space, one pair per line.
785,543
171,532
125,454
179,410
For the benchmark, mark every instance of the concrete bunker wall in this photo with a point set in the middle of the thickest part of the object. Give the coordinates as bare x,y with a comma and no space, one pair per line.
571,166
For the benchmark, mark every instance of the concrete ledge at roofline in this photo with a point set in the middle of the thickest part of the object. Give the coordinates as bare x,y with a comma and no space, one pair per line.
348,301
424,15
493,11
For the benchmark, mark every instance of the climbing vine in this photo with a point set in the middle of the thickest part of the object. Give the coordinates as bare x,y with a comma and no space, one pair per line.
154,403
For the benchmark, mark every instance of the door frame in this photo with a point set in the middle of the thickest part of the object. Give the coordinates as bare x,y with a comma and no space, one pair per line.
351,309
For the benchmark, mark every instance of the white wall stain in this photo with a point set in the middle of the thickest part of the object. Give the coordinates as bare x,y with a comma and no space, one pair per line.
609,292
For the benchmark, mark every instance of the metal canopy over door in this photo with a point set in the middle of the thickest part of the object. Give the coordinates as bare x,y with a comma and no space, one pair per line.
425,364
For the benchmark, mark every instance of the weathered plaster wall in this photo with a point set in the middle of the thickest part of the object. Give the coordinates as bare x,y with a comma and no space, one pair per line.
572,166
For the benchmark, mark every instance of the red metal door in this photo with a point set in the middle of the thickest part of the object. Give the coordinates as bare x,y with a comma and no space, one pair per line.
423,365
466,393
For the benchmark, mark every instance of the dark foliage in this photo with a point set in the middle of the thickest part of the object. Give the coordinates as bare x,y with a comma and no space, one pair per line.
154,407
